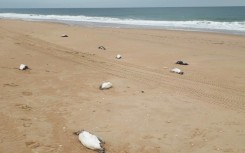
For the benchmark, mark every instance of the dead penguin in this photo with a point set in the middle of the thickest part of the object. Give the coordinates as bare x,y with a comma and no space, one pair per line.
119,56
23,67
176,70
90,141
105,85
64,35
181,63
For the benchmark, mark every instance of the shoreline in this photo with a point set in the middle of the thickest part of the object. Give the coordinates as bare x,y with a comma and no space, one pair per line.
234,26
127,27
148,109
141,27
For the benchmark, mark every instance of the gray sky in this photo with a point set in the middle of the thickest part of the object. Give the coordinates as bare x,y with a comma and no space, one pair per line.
117,3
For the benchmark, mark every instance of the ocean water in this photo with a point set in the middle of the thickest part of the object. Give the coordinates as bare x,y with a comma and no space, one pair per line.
211,19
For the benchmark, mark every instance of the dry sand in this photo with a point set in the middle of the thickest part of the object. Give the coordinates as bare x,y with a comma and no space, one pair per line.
202,111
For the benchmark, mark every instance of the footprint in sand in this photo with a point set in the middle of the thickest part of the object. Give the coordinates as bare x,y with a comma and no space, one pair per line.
26,93
32,144
148,137
10,85
26,122
24,107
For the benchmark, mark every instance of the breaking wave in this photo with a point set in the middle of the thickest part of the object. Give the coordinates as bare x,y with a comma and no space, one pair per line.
195,25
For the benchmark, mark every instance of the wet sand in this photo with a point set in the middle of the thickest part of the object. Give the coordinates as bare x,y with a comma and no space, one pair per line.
148,110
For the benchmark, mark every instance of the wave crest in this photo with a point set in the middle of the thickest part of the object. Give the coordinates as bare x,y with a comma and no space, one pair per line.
209,25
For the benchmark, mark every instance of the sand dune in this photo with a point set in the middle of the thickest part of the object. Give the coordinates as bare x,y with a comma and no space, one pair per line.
148,109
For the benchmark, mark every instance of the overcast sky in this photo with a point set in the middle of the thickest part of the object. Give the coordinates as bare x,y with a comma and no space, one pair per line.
117,3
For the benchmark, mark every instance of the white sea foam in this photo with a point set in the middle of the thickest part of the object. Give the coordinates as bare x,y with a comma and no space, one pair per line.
208,25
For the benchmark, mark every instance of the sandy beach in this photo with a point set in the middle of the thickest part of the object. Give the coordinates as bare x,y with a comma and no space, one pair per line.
148,110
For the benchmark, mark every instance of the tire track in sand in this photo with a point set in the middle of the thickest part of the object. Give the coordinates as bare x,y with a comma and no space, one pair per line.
212,93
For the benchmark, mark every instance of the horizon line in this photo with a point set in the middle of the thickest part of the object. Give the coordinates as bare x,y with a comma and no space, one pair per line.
112,7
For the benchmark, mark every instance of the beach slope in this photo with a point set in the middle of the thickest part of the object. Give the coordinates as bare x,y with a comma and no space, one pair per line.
148,109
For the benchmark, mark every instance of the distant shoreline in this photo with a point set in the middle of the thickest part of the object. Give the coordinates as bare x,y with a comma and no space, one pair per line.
117,26
230,20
